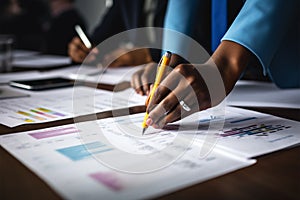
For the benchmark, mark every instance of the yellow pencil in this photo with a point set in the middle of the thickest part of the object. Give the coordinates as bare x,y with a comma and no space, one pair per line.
162,65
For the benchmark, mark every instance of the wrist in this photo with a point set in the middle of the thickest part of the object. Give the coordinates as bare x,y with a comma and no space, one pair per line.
231,60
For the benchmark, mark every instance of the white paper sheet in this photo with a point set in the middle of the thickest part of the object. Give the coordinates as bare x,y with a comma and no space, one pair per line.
64,103
42,61
244,132
59,157
247,133
20,53
114,76
76,71
71,72
7,92
65,156
261,94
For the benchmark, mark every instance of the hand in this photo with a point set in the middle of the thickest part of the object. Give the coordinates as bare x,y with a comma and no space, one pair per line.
187,83
198,86
126,57
142,79
78,51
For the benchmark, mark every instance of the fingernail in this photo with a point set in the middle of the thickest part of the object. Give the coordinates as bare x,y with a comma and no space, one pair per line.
155,126
141,93
93,57
149,121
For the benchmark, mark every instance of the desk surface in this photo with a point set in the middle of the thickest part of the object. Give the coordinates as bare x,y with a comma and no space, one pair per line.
274,176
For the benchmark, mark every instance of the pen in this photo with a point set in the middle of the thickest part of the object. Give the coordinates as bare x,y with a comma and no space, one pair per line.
83,37
161,67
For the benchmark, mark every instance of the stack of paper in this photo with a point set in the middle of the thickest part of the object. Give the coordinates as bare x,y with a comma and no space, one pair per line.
89,160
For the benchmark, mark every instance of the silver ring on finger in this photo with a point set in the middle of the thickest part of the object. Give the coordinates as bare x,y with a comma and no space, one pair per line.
185,106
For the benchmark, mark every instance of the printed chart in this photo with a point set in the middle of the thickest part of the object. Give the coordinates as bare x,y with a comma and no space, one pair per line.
64,103
69,166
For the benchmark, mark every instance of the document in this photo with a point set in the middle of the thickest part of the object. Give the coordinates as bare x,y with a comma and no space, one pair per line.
20,53
262,94
248,133
71,72
113,76
74,159
64,103
76,71
41,61
8,93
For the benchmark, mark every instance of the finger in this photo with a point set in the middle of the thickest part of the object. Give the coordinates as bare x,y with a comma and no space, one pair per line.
181,111
175,115
92,56
148,96
145,85
148,77
77,42
151,87
188,104
167,104
136,82
95,51
76,53
163,90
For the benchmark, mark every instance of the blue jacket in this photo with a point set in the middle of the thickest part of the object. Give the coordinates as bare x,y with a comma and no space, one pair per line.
270,29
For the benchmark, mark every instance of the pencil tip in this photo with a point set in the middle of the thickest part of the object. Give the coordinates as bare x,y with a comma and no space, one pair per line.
144,129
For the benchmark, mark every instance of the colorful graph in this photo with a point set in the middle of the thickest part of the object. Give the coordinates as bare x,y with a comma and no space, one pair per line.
80,152
242,120
53,133
108,179
45,110
42,113
27,114
258,130
39,114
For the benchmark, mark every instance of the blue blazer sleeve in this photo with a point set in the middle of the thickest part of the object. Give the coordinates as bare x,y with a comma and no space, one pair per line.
270,30
179,23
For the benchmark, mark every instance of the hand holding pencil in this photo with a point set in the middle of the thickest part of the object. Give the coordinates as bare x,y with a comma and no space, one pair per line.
161,68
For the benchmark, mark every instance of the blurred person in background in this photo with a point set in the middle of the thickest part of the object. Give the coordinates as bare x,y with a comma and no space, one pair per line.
124,15
60,29
24,19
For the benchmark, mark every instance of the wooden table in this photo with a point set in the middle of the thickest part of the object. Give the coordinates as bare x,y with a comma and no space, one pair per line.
274,176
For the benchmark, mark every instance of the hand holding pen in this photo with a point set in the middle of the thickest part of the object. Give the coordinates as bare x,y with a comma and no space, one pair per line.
161,68
80,47
190,88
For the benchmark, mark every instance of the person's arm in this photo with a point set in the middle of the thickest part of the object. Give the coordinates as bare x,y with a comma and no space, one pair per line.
270,30
195,84
107,27
179,25
178,30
